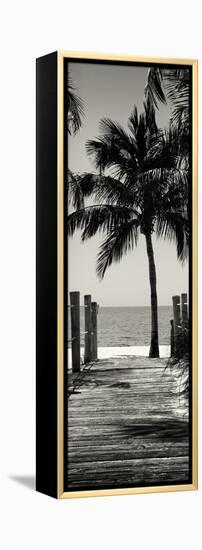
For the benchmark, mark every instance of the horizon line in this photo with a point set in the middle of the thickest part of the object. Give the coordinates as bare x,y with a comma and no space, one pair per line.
162,305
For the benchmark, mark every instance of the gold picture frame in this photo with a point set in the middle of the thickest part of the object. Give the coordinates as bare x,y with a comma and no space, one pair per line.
59,490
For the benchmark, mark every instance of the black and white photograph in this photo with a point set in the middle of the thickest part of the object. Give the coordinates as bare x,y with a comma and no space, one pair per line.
128,274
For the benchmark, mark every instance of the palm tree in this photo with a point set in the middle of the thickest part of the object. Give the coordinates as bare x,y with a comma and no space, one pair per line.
75,108
139,188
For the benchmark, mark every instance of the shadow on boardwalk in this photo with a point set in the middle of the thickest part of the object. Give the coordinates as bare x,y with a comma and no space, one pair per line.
160,429
127,425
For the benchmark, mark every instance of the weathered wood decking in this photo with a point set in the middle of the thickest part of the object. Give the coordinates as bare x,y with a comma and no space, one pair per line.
127,426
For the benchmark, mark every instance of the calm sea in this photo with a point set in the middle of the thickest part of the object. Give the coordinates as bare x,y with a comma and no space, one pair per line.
128,326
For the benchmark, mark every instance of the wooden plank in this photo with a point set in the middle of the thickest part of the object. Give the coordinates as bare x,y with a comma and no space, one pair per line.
184,310
75,329
94,330
177,323
172,338
88,328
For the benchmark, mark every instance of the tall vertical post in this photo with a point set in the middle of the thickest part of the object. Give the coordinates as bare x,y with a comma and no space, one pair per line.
94,330
75,330
184,310
172,345
177,323
88,329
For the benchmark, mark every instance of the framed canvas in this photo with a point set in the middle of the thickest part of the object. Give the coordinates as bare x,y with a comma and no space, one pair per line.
116,374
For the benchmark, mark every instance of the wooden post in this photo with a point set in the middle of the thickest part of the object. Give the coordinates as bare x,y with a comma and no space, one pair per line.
184,310
75,329
177,323
87,317
94,330
172,338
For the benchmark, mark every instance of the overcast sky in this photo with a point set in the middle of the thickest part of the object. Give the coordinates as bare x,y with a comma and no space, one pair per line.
111,91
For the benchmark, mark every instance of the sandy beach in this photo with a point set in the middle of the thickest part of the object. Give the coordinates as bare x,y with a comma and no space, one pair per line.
107,352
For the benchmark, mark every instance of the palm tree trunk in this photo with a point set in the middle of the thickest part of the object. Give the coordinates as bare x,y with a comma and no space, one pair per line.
154,346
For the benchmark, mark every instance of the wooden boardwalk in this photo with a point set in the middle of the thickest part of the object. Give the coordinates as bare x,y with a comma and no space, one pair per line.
127,426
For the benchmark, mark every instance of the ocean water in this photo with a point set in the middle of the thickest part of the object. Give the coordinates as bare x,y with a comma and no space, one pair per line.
127,326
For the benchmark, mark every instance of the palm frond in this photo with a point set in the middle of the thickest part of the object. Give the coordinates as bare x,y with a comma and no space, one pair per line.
109,153
117,135
141,138
177,87
98,218
150,117
100,151
166,149
133,121
154,88
174,226
175,82
106,188
75,108
117,243
75,192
